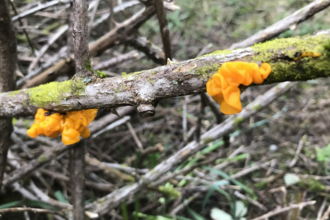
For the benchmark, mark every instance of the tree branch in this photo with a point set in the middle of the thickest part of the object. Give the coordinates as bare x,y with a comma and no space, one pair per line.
184,78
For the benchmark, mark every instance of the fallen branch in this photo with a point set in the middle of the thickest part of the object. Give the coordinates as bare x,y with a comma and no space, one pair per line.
145,88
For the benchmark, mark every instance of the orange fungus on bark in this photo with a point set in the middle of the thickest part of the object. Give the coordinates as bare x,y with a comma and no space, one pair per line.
224,85
72,125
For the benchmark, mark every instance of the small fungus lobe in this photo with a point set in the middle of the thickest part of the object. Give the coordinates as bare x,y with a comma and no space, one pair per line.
72,125
224,85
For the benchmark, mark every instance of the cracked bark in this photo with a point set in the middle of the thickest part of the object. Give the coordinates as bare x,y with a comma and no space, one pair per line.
8,62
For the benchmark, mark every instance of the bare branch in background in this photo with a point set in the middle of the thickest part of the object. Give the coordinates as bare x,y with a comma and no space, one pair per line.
164,28
287,23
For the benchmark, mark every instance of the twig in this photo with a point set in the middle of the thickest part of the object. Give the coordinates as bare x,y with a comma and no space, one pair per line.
116,60
250,169
99,186
112,125
250,200
326,214
319,213
24,31
39,8
284,24
299,148
182,205
280,210
26,209
135,137
114,173
163,28
111,20
50,42
149,49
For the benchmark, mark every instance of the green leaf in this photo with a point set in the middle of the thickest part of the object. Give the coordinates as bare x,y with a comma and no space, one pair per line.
291,179
194,214
218,214
124,211
33,203
60,197
10,204
323,154
215,187
240,209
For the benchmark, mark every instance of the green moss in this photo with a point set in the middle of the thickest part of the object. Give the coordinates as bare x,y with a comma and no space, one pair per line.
312,185
42,158
260,185
151,81
88,65
207,71
123,87
101,74
12,94
54,92
238,120
292,46
127,76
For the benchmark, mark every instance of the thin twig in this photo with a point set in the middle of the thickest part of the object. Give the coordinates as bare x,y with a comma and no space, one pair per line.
164,28
280,210
26,209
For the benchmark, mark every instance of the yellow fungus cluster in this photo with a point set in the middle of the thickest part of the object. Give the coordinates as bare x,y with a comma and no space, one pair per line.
224,85
307,54
72,125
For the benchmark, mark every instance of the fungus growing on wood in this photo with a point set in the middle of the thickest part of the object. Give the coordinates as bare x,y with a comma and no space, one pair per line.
72,125
224,85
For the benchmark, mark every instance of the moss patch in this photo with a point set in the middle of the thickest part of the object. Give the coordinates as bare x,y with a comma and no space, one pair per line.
54,92
312,185
12,94
207,70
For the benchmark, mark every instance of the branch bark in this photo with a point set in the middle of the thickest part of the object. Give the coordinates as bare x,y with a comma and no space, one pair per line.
184,78
8,64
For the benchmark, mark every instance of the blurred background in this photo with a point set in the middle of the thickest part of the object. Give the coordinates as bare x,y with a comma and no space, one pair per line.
280,156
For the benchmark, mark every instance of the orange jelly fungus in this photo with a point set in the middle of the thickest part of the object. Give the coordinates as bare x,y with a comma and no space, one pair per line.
72,125
224,85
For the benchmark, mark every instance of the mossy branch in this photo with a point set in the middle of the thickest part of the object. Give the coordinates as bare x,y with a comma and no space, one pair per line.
178,79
